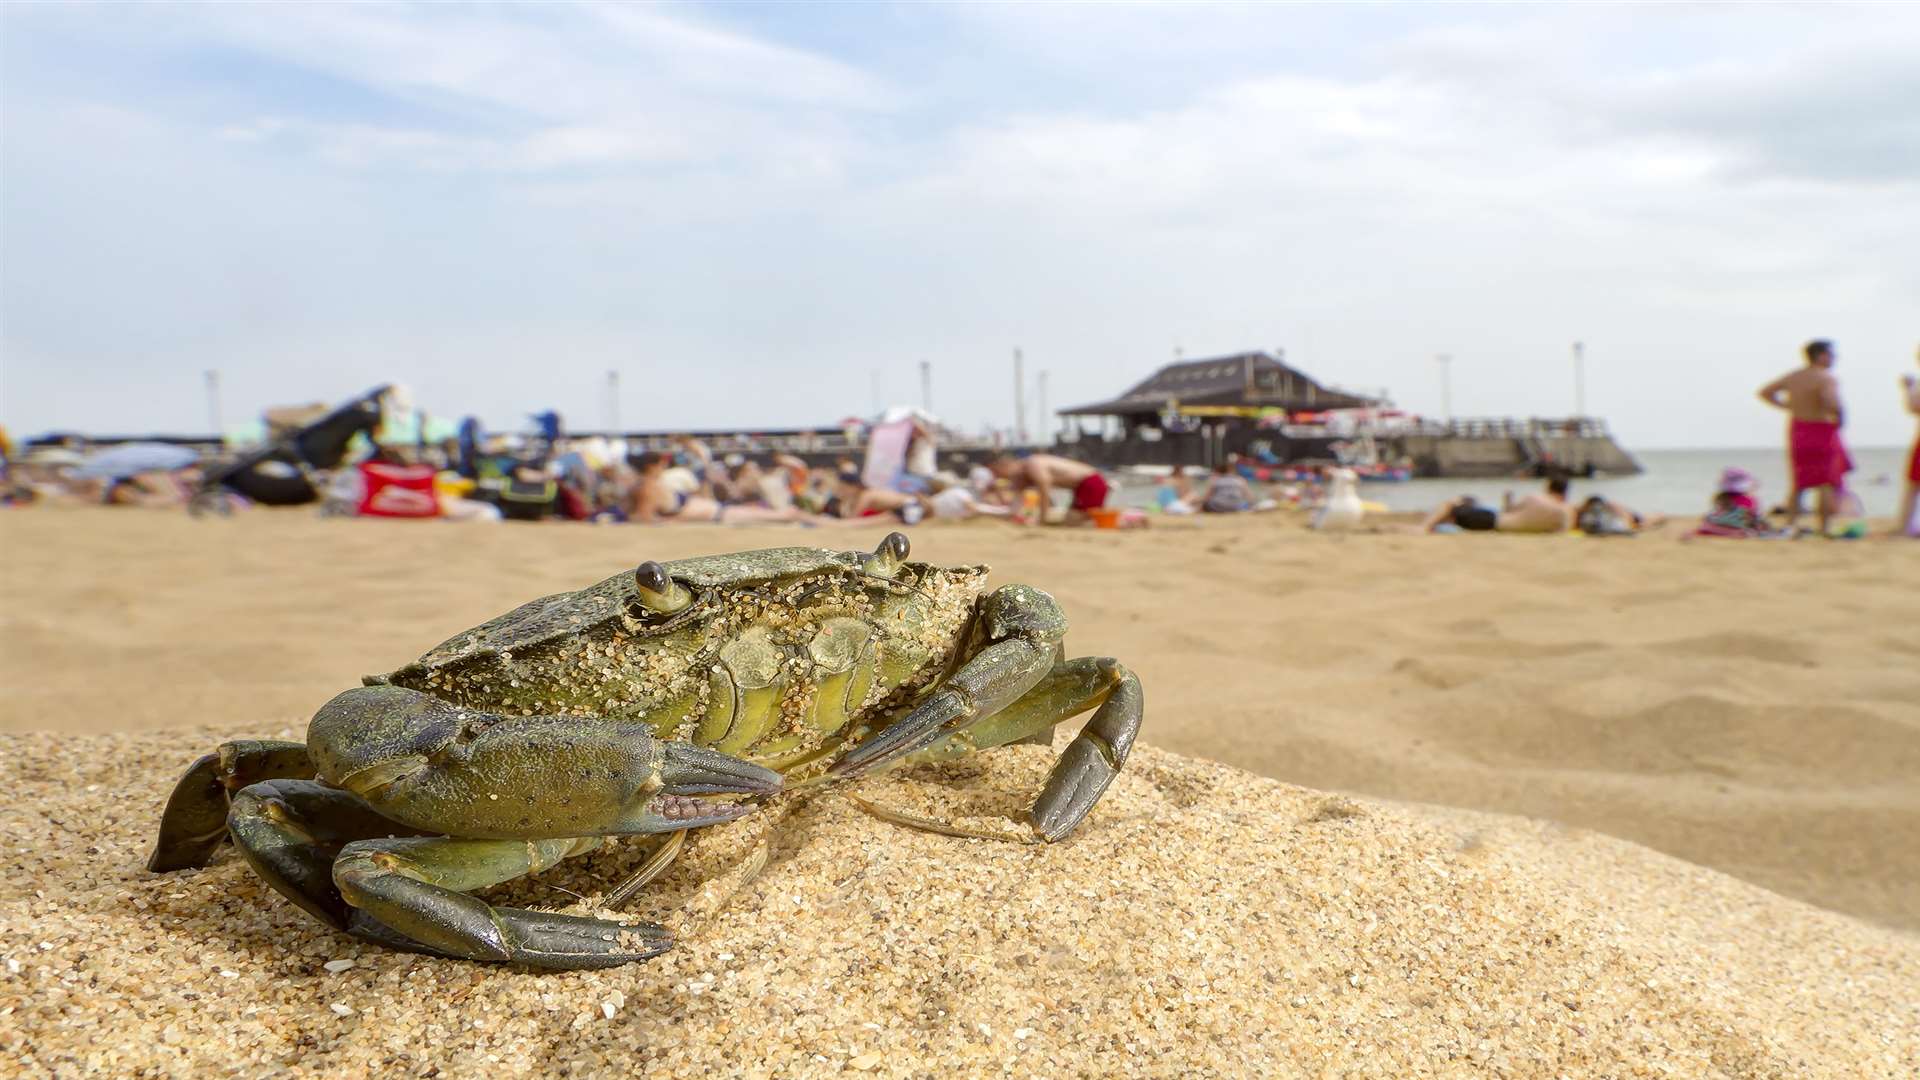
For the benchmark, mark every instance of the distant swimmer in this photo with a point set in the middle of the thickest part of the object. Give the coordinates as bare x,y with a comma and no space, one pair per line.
1811,397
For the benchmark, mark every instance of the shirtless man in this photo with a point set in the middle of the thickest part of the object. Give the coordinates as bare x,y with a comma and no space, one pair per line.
1811,398
1541,512
1045,472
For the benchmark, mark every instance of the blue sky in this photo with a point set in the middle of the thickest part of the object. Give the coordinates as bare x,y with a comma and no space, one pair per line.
749,210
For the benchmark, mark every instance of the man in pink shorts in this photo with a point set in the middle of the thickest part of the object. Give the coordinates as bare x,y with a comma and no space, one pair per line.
1909,521
1819,459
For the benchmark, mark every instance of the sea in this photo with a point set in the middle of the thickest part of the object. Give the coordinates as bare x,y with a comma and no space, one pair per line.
1674,482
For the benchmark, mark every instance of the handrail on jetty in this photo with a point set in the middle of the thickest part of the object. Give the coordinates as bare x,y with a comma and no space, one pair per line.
1507,427
803,441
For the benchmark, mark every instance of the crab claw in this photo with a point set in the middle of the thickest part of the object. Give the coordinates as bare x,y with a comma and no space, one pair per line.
688,772
687,769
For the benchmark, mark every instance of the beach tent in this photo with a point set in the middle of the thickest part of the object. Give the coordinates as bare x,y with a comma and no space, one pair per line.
132,459
887,445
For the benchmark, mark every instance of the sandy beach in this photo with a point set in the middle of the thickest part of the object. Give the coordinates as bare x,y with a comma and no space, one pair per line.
1718,741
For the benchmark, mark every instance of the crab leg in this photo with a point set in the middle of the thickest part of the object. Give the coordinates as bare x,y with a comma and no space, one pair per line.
290,831
1089,762
1023,628
1092,759
195,820
416,888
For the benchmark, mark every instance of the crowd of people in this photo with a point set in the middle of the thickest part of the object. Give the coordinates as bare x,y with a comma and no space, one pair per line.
1817,457
1818,460
547,475
1810,396
1549,510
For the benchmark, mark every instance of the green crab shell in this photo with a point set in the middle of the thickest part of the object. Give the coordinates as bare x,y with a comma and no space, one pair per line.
613,604
597,652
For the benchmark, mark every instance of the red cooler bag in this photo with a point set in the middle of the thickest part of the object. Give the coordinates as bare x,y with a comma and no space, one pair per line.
398,491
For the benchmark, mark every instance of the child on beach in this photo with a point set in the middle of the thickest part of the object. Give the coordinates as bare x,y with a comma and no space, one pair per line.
1735,512
1174,495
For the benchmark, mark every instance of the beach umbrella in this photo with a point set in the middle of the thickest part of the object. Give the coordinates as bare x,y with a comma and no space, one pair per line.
53,456
132,459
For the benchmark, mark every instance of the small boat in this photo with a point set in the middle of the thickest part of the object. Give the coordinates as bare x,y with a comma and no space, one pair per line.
1384,474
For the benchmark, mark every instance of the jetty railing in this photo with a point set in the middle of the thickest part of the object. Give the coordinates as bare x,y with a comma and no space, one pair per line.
1508,427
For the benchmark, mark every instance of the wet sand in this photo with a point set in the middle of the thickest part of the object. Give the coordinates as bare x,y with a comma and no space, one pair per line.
1751,708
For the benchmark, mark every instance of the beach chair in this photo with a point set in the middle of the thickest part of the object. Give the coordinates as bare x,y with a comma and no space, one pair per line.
285,470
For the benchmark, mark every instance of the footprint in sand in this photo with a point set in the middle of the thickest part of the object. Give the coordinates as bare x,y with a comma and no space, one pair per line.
1438,675
1737,645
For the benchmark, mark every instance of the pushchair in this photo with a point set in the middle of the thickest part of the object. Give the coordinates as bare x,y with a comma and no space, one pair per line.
283,472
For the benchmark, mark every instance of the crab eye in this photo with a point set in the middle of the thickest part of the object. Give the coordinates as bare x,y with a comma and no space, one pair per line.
651,576
886,559
657,591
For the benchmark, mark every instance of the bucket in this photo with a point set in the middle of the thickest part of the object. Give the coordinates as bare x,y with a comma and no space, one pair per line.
1105,517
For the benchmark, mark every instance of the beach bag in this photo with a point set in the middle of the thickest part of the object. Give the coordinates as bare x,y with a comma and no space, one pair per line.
398,491
527,499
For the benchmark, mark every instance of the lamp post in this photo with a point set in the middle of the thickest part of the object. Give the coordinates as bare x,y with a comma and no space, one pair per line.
213,402
1019,399
1579,380
1046,421
613,404
926,386
1446,385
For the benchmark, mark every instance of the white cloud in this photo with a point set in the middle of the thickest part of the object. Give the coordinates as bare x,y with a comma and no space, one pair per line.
535,194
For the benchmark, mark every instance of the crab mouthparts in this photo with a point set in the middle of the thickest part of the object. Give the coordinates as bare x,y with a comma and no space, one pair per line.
692,808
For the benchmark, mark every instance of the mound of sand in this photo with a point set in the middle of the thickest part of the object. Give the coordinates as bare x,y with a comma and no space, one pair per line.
1750,707
1203,922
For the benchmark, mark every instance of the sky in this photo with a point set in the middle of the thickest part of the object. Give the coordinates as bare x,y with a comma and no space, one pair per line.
768,215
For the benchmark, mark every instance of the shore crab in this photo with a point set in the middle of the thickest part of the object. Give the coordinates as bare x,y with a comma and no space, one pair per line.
665,698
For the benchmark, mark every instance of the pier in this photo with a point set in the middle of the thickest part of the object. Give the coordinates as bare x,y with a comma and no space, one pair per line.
1502,446
1198,413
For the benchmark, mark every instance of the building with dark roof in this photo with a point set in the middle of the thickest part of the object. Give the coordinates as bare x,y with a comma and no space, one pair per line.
1202,412
1254,380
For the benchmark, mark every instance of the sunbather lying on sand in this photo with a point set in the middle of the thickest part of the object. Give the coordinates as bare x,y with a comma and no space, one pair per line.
655,501
1603,517
1541,512
1735,510
954,500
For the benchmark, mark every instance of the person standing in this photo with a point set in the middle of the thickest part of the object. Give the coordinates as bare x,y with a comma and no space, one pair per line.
1910,503
1815,452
